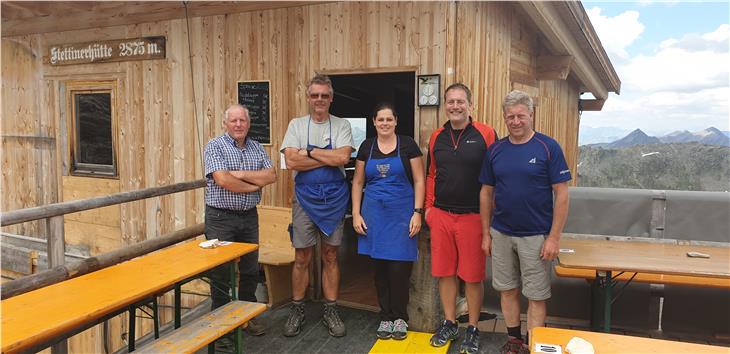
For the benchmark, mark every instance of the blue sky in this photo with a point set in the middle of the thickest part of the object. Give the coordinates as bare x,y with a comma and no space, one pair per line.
673,59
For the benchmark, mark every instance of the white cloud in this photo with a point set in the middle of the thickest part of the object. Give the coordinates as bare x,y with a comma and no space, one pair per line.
720,35
616,33
716,41
683,85
675,69
653,2
662,112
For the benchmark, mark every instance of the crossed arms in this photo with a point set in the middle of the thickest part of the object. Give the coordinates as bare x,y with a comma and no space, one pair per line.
297,159
244,181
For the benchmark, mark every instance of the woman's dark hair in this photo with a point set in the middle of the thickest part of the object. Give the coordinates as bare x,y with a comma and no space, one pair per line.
384,105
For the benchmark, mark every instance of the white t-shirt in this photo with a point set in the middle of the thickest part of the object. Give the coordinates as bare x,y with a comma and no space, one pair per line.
319,134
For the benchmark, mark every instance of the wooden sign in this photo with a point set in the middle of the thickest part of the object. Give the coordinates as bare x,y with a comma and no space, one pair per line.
255,96
107,51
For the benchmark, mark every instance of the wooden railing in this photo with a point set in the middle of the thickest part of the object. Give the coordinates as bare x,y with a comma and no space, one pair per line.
53,214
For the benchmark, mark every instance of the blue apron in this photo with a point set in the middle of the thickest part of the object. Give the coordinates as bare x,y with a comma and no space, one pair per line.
387,208
322,192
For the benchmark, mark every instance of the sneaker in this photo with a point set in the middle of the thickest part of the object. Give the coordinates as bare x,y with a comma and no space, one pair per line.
385,330
294,323
331,320
446,332
470,345
514,346
400,329
255,327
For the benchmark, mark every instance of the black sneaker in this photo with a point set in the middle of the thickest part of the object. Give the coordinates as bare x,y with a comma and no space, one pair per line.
470,345
446,332
294,323
385,329
331,320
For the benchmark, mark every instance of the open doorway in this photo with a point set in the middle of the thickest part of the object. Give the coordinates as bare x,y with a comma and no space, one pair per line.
355,97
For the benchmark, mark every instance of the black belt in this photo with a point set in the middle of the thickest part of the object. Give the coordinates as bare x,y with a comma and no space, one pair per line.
458,211
231,211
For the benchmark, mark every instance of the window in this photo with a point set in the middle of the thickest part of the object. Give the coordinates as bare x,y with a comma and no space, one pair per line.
92,127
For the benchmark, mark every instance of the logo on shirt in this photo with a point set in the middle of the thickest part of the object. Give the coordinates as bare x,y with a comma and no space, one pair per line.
471,141
383,169
533,160
564,172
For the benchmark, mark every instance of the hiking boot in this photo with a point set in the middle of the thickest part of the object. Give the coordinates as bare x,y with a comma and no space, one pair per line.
446,332
514,346
400,329
385,330
255,327
224,345
470,345
294,323
331,320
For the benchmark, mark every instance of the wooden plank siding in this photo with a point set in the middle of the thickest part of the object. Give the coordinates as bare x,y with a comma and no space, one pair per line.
483,57
167,110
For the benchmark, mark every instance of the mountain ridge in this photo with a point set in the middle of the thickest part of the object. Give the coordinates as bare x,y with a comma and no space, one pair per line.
709,136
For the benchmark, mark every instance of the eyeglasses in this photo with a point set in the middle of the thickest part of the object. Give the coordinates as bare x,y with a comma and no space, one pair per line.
321,96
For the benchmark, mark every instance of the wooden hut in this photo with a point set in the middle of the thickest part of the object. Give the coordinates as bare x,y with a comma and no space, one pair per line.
164,72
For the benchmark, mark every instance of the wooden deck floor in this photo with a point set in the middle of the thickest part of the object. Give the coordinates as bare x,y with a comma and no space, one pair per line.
360,338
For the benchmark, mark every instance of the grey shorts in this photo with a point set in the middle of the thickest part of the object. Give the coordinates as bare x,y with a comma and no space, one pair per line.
305,232
516,261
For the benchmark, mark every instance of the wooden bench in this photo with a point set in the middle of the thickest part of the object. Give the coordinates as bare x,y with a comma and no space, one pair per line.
703,282
206,329
657,282
276,253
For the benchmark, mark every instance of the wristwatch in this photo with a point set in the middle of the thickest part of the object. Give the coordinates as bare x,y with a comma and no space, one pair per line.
309,151
418,210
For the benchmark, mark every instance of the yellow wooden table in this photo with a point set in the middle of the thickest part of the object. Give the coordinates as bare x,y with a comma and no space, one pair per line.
43,316
607,257
605,343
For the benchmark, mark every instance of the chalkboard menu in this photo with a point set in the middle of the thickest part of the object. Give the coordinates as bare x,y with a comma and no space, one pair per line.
255,96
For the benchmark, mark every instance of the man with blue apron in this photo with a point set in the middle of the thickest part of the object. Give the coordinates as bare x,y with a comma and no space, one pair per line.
316,147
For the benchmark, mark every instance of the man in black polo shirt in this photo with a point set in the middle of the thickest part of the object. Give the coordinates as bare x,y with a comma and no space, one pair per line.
455,156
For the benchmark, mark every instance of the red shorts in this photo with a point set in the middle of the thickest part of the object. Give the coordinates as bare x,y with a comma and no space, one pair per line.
456,245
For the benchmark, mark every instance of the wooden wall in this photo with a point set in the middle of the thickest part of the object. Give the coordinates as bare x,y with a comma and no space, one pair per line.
166,110
29,175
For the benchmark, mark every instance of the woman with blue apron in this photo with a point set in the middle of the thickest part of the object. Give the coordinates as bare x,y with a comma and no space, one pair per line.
322,192
385,223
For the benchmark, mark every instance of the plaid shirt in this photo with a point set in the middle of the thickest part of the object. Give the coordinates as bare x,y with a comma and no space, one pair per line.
222,154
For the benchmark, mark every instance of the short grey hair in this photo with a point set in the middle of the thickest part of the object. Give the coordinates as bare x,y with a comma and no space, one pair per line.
321,79
518,97
234,107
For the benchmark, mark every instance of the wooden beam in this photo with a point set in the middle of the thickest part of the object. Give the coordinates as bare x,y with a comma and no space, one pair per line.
524,79
91,264
553,67
68,16
591,105
561,41
46,211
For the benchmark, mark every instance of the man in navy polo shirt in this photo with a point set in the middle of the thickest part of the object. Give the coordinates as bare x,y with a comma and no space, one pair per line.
236,168
523,205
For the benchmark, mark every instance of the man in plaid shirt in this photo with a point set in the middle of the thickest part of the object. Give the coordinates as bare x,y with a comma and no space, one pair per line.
236,168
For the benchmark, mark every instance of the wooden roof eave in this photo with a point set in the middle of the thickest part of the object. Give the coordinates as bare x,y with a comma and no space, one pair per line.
23,18
568,31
